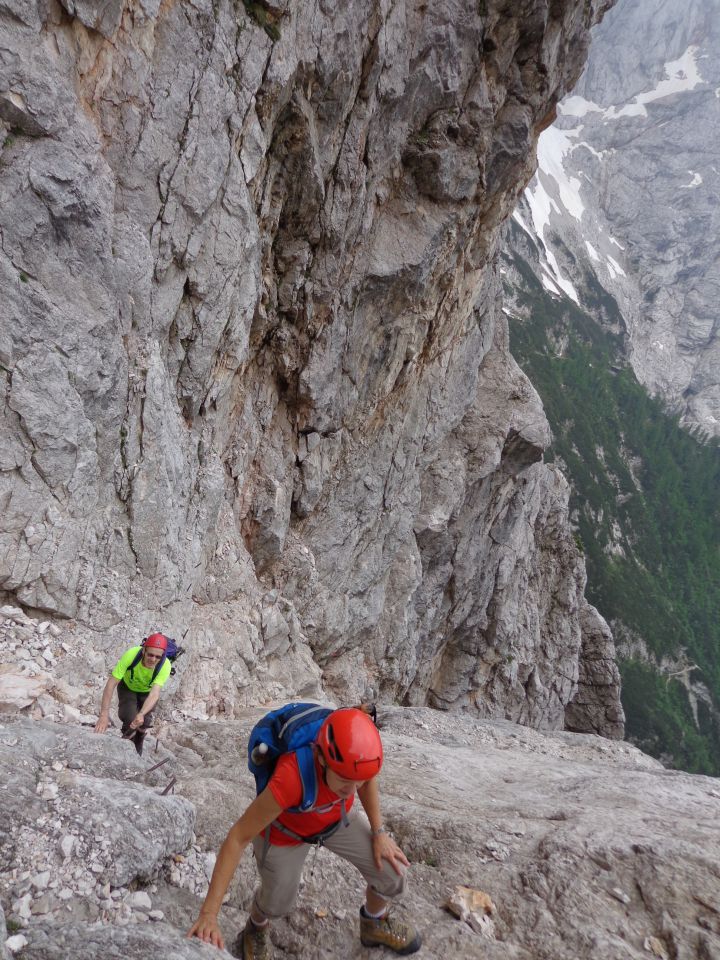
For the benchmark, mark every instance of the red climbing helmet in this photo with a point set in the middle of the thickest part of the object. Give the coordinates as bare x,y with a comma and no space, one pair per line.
158,641
351,745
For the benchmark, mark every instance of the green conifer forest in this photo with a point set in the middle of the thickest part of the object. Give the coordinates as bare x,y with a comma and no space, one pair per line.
646,506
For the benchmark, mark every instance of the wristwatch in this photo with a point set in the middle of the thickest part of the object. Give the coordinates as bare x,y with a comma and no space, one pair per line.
376,833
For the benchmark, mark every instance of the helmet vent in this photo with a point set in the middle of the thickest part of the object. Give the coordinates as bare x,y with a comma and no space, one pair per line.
333,748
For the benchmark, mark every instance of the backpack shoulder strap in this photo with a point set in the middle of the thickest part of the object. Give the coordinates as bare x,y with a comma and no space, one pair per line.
158,668
308,776
136,661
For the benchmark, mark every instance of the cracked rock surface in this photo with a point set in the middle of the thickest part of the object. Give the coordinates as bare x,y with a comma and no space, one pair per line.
579,845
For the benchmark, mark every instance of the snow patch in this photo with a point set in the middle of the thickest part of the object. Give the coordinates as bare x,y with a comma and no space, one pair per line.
578,107
681,75
636,109
600,154
553,146
592,251
557,278
517,217
695,182
617,243
615,269
547,282
540,204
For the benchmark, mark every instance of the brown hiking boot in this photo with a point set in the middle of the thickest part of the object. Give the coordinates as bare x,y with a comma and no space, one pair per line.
254,943
388,932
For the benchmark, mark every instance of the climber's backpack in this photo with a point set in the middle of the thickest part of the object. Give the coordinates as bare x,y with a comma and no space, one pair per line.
172,653
293,727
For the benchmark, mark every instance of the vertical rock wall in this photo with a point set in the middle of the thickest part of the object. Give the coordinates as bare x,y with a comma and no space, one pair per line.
256,380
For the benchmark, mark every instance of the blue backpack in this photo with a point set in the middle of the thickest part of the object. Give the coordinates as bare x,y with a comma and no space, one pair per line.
172,653
292,728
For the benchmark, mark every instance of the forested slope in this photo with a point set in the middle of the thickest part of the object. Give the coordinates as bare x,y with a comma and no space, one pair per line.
645,506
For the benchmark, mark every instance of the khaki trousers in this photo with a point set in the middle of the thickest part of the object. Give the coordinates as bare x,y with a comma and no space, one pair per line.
281,871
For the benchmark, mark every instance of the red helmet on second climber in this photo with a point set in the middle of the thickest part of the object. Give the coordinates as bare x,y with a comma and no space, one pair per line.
350,743
156,641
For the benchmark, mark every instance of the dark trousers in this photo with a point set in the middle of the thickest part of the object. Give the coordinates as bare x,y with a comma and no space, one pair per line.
129,705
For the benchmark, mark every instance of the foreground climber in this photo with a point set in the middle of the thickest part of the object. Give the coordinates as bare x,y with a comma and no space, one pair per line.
347,755
139,676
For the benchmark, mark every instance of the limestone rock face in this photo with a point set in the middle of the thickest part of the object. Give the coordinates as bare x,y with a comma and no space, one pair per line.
256,384
595,707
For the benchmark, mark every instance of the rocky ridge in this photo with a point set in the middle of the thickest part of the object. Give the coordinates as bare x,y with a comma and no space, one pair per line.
575,841
256,383
574,844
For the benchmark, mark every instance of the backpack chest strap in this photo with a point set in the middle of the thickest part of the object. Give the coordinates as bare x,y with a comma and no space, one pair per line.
316,839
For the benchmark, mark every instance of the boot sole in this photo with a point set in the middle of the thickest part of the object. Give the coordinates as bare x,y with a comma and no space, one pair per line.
412,947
